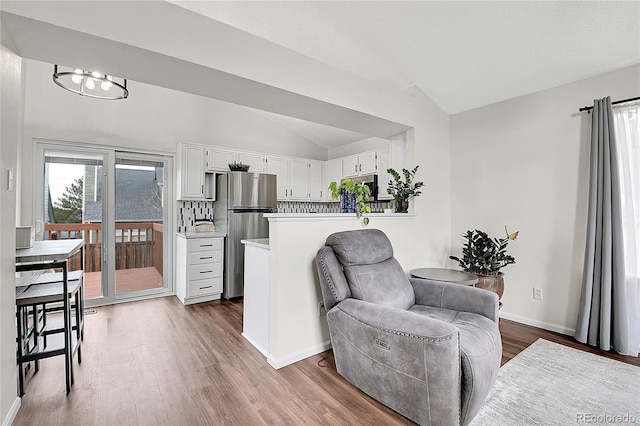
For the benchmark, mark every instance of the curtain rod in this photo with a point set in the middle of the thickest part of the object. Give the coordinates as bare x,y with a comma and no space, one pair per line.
589,108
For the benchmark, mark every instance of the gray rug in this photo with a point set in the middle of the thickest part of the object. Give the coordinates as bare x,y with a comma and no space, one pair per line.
552,384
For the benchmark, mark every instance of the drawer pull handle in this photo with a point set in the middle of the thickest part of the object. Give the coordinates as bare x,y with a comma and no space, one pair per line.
208,257
206,272
209,286
206,245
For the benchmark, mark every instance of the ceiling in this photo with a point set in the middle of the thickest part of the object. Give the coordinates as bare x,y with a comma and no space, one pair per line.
463,55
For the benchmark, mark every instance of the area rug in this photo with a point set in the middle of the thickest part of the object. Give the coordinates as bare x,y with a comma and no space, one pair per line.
551,384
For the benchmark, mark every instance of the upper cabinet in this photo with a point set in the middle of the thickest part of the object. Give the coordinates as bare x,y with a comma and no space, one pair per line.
193,182
218,159
383,163
298,179
257,162
314,181
280,167
333,173
358,165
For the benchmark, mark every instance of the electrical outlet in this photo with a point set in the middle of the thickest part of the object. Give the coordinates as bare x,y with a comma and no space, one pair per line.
321,309
537,293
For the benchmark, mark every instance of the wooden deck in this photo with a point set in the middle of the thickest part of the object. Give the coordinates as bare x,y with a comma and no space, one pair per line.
127,281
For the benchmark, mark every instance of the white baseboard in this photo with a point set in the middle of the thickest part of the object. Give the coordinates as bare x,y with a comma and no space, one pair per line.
540,324
290,359
13,412
255,345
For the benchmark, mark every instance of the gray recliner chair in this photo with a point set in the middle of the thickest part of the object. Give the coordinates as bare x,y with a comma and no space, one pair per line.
429,350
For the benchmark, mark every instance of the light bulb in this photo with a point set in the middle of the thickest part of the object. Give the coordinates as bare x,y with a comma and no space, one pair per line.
96,74
106,85
90,83
77,77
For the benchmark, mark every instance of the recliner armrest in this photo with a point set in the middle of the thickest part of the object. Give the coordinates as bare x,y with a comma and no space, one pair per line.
397,321
456,297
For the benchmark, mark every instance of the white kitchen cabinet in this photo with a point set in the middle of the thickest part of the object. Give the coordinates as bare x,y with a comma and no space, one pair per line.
218,159
358,165
333,173
384,162
280,167
298,180
314,181
256,162
199,263
190,172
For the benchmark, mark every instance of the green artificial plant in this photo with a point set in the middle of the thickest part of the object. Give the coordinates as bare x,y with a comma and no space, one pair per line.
403,190
362,192
484,255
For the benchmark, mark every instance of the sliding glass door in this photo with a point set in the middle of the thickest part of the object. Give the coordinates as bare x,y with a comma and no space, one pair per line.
139,226
116,201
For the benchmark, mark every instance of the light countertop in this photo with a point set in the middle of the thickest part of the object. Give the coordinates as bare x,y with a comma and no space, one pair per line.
334,216
201,234
257,242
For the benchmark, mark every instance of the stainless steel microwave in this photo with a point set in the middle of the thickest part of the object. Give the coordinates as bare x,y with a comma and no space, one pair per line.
371,181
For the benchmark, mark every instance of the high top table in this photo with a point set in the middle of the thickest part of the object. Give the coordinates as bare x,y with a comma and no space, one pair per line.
47,255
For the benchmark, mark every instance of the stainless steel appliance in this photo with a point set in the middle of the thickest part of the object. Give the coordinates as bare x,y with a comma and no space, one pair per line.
241,200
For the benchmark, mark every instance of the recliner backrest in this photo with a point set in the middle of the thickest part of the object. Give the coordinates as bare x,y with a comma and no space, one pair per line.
371,271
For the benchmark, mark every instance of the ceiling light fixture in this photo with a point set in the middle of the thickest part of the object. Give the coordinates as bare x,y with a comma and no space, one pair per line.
84,82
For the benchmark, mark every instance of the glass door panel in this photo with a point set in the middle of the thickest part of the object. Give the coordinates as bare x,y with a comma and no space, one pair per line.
72,207
140,216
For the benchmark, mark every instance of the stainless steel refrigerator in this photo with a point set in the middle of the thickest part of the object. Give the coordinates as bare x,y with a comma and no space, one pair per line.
241,200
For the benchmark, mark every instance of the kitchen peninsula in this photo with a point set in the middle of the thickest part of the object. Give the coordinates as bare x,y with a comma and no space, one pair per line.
297,328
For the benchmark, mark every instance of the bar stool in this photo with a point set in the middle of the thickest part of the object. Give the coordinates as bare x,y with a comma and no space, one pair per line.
35,300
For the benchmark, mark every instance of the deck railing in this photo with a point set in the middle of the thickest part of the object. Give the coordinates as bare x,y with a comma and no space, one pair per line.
138,244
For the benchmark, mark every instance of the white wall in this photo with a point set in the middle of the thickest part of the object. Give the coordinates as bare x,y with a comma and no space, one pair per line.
10,134
296,331
152,118
523,163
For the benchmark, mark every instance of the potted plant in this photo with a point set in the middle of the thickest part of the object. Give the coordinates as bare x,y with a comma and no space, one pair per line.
485,257
351,194
403,190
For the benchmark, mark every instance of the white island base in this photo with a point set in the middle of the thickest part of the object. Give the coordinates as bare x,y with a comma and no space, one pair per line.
255,322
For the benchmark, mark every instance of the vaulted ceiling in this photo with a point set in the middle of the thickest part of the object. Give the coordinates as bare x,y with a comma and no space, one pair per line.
462,54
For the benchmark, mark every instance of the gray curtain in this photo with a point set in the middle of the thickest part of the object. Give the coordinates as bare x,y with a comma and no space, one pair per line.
603,316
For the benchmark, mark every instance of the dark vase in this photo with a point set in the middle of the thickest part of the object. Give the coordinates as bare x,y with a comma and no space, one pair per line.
402,206
347,202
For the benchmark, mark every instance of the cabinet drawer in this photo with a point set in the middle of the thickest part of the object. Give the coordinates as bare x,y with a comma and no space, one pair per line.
204,287
205,271
204,244
199,257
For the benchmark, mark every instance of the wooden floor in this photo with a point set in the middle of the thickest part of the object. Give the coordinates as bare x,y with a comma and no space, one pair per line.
127,281
157,362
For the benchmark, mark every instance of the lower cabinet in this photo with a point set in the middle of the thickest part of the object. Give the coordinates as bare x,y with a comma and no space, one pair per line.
199,263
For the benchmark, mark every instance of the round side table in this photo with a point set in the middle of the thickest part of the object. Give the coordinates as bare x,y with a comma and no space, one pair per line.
443,274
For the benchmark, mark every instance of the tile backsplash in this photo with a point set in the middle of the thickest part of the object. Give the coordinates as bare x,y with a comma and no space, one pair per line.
320,207
190,211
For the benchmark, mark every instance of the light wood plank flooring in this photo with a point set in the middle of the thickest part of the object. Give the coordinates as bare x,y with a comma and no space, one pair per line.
157,362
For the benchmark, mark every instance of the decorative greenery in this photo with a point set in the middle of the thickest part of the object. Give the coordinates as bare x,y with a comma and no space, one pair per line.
402,191
362,192
484,255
